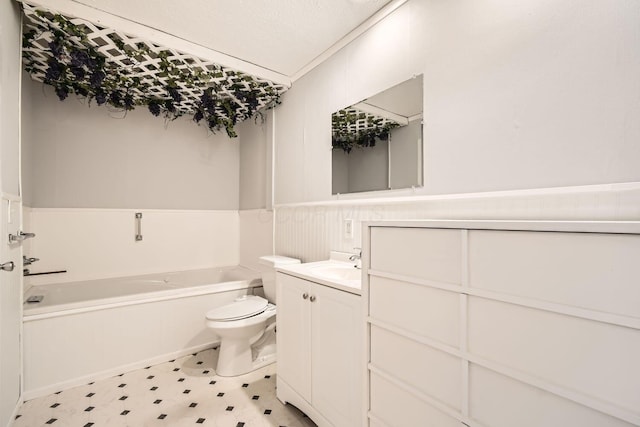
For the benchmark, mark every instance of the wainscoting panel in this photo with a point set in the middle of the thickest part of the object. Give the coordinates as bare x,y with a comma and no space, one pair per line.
310,230
100,243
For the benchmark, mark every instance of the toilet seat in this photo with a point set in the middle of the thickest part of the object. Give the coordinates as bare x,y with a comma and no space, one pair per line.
242,308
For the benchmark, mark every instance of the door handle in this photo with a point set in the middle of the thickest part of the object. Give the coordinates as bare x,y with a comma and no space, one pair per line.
20,236
7,266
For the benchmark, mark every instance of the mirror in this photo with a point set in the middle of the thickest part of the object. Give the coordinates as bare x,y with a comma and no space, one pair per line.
377,143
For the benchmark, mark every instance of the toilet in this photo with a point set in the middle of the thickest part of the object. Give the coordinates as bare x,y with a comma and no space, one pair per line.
247,326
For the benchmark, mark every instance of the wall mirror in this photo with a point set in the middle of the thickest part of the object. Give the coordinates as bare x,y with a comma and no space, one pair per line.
377,143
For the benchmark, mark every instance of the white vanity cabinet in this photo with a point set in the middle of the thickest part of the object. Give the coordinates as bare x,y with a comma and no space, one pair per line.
319,339
501,324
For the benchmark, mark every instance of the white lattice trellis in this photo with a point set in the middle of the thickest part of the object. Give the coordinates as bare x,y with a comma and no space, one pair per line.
154,68
352,120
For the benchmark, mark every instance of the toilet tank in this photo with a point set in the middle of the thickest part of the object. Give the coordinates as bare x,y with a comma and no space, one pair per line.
270,263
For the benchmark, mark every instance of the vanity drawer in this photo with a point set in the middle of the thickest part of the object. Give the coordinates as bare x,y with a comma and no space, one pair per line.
587,270
431,371
513,403
431,254
417,309
516,324
399,408
599,359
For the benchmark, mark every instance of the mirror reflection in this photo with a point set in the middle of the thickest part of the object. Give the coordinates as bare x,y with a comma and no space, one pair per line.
377,143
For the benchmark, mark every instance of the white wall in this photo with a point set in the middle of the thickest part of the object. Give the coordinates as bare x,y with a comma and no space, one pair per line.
518,95
256,236
100,243
530,112
255,161
75,156
87,172
10,65
256,198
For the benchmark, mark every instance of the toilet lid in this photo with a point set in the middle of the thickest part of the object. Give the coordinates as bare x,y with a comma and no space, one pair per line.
246,307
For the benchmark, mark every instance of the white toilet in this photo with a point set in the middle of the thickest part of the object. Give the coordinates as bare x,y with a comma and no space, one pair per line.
246,327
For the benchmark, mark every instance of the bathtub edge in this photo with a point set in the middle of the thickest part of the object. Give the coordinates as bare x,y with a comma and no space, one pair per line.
160,296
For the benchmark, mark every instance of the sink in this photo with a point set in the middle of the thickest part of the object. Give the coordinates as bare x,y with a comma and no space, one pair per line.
337,271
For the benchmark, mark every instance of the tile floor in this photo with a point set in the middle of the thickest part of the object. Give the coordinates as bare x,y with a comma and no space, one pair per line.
182,392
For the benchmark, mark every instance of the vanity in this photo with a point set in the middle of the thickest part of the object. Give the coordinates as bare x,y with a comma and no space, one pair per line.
467,323
320,332
501,323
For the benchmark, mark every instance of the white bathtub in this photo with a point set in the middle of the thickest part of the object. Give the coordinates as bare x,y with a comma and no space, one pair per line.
58,298
83,331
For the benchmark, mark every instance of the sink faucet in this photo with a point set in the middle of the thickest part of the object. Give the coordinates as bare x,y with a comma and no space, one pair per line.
357,258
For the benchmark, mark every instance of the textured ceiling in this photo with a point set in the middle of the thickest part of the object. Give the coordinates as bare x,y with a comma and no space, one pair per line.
280,35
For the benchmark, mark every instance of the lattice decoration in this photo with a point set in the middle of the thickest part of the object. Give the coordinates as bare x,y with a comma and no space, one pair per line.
352,127
353,120
108,66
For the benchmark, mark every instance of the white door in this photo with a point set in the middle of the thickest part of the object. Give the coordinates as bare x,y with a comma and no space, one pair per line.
10,209
336,350
10,311
293,340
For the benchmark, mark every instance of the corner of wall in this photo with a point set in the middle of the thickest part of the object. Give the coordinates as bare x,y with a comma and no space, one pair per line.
256,236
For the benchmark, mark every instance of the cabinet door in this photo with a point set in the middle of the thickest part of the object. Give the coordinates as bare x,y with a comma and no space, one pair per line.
336,334
293,329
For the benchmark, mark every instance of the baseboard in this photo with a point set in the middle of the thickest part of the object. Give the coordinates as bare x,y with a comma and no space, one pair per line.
15,411
44,391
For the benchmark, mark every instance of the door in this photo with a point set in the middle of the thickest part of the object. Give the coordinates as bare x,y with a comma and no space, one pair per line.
10,281
10,311
293,330
336,377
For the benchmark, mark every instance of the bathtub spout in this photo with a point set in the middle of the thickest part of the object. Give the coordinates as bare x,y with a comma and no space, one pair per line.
28,261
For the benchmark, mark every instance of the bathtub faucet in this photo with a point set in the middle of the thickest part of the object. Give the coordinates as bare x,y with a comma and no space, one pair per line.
28,261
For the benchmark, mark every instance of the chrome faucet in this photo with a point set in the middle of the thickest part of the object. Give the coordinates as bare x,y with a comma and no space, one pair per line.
357,258
28,261
20,236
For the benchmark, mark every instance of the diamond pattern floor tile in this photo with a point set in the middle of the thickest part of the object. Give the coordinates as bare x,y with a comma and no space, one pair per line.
181,392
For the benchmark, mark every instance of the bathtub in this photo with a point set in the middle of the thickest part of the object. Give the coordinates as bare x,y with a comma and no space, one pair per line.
83,331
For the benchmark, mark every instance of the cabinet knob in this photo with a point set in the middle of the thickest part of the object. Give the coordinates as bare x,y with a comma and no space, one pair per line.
305,296
312,298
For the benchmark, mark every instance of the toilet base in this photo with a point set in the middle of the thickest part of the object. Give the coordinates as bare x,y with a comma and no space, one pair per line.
238,356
